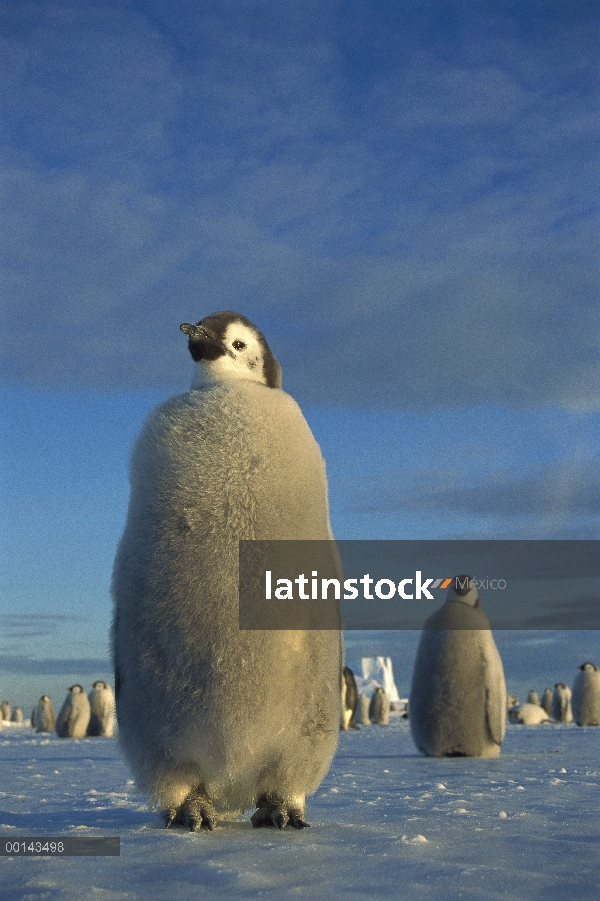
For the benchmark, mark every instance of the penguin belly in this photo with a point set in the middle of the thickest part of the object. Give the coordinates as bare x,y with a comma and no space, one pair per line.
242,714
450,703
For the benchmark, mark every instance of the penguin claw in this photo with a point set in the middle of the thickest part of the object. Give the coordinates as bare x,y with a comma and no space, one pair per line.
199,814
196,813
169,816
277,814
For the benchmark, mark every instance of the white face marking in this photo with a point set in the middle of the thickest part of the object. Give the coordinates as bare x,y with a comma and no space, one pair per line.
246,362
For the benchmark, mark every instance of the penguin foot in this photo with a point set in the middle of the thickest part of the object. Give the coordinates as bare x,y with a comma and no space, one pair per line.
195,813
279,814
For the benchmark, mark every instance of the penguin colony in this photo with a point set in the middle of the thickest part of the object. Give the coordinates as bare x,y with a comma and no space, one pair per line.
457,702
79,715
213,719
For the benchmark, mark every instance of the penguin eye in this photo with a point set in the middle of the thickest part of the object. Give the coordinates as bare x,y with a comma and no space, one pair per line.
239,345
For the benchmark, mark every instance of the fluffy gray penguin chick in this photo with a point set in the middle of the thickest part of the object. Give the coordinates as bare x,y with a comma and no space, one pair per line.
586,696
561,703
102,710
74,715
457,698
214,719
45,715
547,701
379,708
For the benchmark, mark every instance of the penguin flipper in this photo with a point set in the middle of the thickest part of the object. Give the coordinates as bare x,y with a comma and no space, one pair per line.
272,812
495,695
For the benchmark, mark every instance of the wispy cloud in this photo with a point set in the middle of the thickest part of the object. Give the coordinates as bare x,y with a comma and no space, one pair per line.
32,625
29,666
405,210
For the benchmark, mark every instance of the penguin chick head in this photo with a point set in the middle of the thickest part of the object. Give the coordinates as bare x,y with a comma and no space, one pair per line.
589,667
227,346
76,689
99,684
464,590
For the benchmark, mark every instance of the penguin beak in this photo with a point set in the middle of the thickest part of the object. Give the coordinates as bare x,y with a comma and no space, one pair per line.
201,333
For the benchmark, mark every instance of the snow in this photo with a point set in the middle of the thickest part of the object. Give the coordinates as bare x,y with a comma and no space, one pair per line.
386,823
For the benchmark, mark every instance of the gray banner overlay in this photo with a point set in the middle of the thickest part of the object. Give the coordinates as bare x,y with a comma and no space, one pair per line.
399,584
59,846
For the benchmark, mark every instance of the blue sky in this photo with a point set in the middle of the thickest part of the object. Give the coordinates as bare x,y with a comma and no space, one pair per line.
403,196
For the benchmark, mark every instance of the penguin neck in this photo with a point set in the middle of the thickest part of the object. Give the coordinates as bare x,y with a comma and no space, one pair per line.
208,377
470,599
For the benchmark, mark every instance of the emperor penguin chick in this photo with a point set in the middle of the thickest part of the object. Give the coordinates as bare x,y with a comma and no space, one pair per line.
365,704
74,716
586,696
457,698
102,710
45,715
379,708
5,711
561,703
214,719
17,715
547,700
528,714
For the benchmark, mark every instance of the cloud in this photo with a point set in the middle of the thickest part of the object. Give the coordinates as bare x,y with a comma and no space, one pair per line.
405,210
32,625
28,666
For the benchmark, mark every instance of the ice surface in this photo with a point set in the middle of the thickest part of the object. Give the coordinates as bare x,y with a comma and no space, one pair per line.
386,823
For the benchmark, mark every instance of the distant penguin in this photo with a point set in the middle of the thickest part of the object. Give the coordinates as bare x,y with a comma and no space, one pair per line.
379,708
102,710
547,701
534,698
511,702
45,716
457,700
5,710
32,719
214,719
561,703
586,696
349,700
528,714
74,715
17,715
364,704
